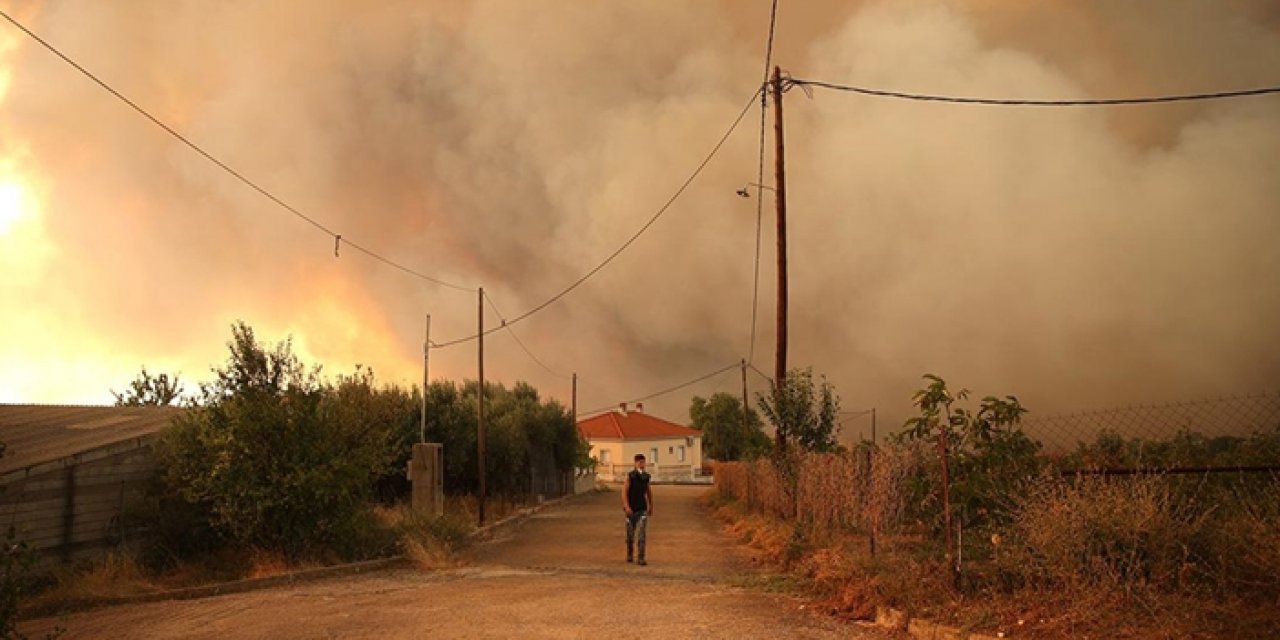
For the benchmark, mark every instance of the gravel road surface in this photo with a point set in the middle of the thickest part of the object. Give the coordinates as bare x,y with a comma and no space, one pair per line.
558,574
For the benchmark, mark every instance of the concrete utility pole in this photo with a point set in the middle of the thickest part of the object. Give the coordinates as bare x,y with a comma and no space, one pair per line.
426,357
480,411
780,193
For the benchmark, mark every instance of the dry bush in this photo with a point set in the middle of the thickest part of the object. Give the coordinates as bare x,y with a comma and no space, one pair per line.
1122,533
429,542
1244,554
1134,557
861,490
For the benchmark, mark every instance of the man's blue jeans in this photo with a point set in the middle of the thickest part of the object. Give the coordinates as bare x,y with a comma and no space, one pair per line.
635,531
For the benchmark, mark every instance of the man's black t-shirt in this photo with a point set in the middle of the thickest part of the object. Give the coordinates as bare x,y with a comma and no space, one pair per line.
637,490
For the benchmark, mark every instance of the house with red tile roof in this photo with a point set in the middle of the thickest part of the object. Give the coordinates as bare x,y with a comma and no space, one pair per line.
673,451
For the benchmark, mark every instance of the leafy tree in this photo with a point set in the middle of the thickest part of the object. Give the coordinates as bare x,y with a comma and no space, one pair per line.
147,390
987,458
804,412
724,437
275,457
525,436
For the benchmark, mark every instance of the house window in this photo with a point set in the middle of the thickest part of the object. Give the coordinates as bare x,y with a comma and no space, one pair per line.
654,452
604,456
680,454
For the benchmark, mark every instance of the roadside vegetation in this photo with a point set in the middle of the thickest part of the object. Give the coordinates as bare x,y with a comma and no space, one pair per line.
275,467
1019,542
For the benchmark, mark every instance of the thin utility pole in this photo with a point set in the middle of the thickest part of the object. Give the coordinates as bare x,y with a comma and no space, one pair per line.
480,411
746,424
780,193
426,359
952,566
574,401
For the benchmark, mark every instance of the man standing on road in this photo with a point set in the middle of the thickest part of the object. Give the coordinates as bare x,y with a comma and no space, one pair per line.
637,503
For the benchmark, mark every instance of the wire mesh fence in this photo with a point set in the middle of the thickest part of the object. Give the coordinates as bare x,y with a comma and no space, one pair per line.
1228,433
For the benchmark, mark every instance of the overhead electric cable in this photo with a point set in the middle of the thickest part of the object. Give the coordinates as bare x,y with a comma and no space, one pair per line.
1020,102
339,239
678,387
661,210
760,373
520,342
764,107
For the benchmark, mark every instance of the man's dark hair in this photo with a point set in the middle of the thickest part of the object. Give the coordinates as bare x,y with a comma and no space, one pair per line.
639,457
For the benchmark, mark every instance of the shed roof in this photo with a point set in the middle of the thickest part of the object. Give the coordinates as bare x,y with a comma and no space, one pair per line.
632,425
34,434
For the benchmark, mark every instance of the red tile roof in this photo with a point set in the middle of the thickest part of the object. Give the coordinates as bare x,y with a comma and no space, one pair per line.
632,425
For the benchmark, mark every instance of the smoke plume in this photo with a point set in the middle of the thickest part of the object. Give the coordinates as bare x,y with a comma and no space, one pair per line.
1075,257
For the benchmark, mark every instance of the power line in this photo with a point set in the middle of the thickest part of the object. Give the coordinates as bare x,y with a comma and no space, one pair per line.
661,210
339,239
664,392
764,107
520,342
760,373
1017,102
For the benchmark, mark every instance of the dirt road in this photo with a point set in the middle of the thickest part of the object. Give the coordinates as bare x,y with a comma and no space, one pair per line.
559,574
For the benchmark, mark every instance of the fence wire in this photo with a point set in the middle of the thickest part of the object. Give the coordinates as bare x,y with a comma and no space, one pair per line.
1221,419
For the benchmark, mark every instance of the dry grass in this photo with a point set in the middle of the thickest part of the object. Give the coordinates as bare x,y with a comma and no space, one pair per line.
1141,558
854,491
429,542
268,564
116,574
466,507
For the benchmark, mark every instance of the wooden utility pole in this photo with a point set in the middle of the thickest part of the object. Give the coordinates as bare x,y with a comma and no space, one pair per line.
574,401
480,411
780,193
746,424
946,503
426,358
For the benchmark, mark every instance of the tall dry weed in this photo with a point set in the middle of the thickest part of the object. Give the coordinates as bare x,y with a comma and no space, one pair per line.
861,490
1131,533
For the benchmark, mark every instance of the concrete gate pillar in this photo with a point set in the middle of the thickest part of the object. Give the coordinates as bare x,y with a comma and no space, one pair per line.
426,474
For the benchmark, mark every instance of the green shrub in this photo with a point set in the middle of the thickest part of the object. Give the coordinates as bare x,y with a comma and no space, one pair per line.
274,457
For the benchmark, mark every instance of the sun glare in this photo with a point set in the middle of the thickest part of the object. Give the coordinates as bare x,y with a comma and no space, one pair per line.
11,206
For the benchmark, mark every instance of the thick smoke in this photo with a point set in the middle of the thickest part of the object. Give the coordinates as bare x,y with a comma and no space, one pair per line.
1074,257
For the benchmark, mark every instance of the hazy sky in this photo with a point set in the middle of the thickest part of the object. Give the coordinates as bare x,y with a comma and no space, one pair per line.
1076,257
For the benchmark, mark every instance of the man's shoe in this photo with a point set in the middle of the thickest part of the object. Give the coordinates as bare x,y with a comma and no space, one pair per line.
642,563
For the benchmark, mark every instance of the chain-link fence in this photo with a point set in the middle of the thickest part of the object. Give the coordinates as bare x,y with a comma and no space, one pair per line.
1224,432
